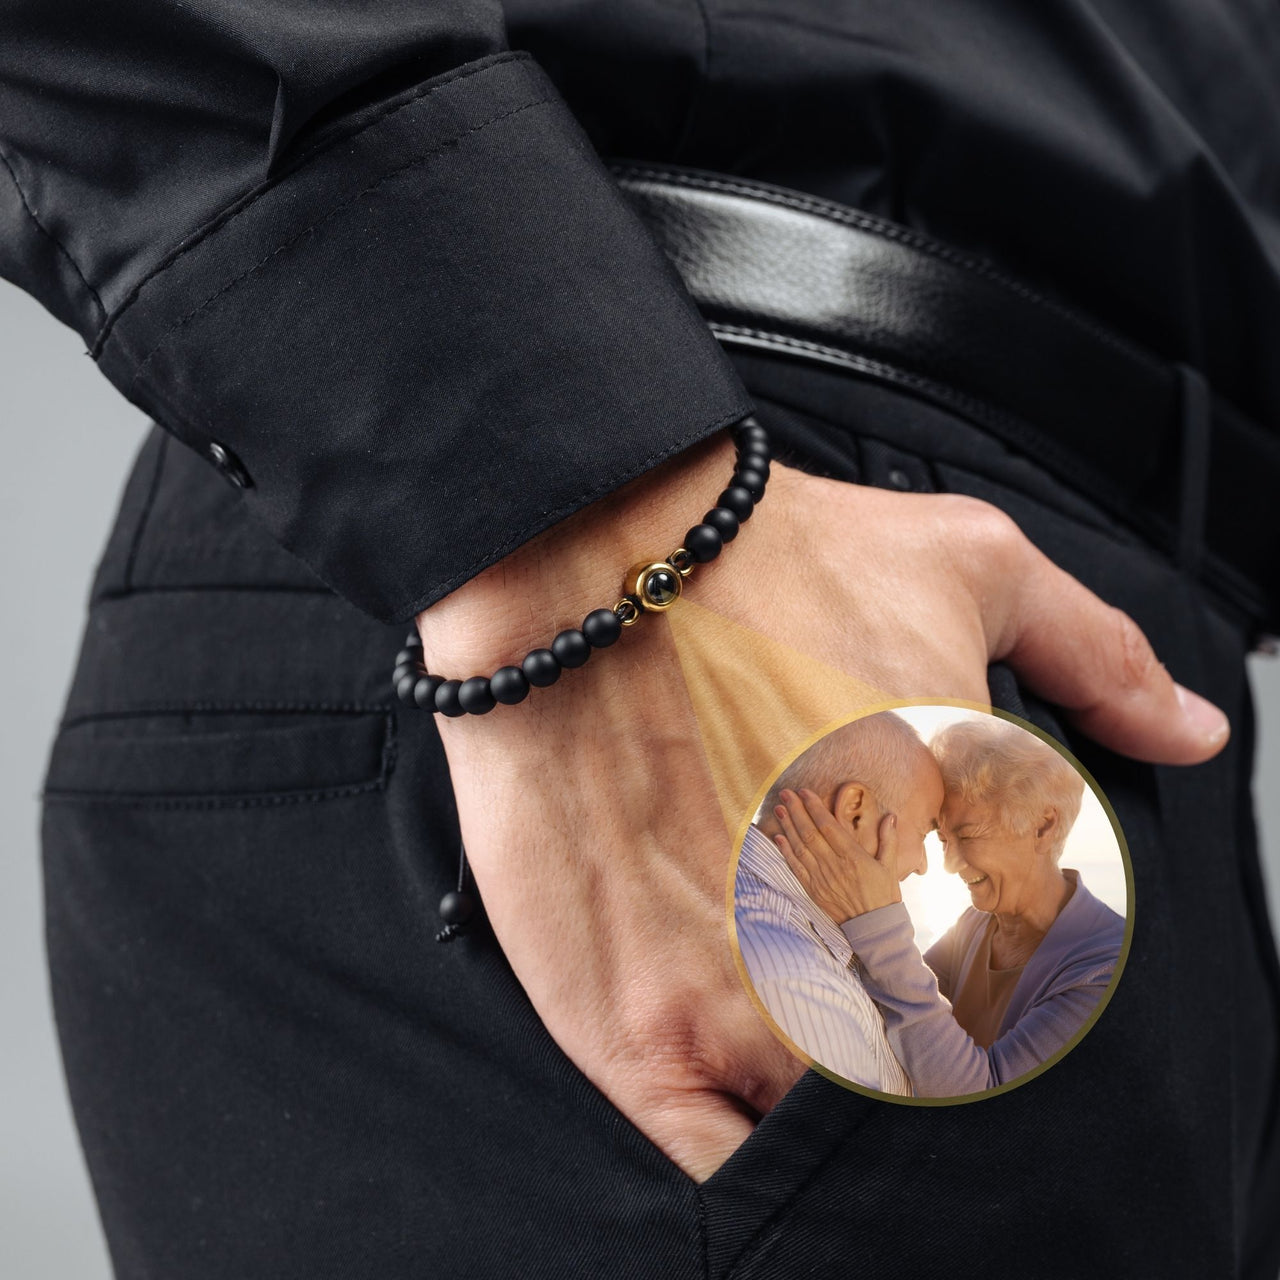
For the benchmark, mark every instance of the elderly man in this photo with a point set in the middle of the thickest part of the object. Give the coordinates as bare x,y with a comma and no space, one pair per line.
800,964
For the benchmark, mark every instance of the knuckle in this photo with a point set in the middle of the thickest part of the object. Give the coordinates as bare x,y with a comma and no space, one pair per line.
668,1046
660,1028
985,538
982,520
1136,663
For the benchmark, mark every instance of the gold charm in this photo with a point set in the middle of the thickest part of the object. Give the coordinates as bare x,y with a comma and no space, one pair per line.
656,585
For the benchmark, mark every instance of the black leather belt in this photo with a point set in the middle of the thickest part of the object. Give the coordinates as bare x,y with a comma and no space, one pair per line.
785,272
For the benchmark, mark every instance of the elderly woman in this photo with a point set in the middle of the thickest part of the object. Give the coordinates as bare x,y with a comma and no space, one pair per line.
1017,976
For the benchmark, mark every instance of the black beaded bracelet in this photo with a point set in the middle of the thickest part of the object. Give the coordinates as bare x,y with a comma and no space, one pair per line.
651,587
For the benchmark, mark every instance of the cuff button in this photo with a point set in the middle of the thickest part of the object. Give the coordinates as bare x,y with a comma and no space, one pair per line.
229,465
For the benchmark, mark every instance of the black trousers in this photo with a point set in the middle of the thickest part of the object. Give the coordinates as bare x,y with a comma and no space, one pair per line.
277,1072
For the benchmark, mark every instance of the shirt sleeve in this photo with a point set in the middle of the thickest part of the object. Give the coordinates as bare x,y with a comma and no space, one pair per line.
941,1058
817,1003
941,959
364,257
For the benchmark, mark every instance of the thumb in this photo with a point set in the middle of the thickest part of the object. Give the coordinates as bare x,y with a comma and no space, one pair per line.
1075,650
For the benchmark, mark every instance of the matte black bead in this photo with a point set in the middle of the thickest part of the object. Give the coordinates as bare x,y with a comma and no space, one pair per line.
737,500
406,656
424,692
571,648
447,703
754,461
724,522
704,543
404,687
754,449
475,697
509,686
404,669
457,907
601,627
540,668
413,641
746,433
752,481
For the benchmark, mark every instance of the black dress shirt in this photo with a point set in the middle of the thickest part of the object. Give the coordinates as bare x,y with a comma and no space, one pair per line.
370,252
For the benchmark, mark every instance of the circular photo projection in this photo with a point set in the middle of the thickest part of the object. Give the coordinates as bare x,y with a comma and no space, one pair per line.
932,903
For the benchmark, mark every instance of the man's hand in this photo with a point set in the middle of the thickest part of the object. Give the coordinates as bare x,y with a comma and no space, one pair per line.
838,873
589,813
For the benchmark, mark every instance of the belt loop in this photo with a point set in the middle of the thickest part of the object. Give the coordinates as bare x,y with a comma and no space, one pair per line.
1194,409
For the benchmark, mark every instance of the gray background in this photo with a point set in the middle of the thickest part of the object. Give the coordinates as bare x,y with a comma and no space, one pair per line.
71,440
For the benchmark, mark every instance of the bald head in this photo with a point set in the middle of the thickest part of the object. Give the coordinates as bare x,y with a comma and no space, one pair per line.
881,751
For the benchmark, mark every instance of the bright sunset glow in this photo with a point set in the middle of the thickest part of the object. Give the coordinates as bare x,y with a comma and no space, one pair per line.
935,900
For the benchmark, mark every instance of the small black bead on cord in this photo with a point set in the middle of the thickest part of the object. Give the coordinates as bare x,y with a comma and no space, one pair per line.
650,588
458,906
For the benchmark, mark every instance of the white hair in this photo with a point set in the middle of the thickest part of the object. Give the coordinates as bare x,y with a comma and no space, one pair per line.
882,751
1000,765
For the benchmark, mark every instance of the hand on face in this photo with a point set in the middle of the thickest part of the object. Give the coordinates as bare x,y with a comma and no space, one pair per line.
842,875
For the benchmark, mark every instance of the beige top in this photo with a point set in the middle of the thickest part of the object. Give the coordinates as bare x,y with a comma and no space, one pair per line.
980,1003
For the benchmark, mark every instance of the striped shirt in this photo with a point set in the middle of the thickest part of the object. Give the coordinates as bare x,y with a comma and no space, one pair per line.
804,971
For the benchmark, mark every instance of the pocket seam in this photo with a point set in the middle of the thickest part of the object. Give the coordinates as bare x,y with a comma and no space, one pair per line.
235,800
128,710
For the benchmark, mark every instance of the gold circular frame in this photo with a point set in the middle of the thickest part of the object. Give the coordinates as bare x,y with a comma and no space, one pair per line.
962,1098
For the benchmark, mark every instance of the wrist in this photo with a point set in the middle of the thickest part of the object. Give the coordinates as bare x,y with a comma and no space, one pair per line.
552,581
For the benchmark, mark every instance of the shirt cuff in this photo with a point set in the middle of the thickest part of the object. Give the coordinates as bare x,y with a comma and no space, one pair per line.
439,332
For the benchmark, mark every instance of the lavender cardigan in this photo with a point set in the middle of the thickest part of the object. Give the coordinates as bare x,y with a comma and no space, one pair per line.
1064,980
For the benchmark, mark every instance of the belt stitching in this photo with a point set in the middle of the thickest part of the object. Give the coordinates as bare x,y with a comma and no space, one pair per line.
913,239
